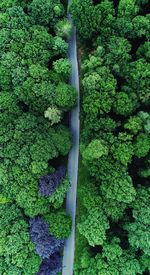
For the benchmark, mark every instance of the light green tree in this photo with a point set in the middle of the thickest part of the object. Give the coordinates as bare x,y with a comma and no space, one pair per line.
94,226
53,114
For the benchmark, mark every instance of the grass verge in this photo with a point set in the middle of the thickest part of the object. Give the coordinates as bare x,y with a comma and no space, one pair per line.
81,242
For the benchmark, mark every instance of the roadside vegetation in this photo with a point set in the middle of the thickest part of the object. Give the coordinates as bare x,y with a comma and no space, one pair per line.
35,99
113,212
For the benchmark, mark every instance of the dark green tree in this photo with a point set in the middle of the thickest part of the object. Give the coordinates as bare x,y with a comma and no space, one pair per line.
46,12
139,230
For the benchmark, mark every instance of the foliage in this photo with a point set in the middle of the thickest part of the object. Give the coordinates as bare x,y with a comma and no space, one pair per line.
33,69
144,51
94,150
139,233
123,104
60,47
16,247
62,67
39,143
122,149
114,53
125,264
88,18
59,224
114,209
63,28
46,12
65,96
145,117
94,226
58,197
112,260
51,265
45,244
112,251
100,88
117,54
144,260
3,199
139,69
134,124
53,114
119,188
145,171
142,145
48,183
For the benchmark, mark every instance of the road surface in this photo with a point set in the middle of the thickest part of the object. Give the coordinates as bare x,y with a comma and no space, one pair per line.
69,248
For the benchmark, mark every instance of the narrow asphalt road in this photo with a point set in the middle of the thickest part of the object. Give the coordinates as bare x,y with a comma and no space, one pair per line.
69,248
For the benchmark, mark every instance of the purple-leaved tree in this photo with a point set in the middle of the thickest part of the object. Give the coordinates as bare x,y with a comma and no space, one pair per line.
51,266
49,183
45,244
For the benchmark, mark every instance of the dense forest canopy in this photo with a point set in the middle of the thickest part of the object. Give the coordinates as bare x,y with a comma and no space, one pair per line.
113,215
113,235
35,98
